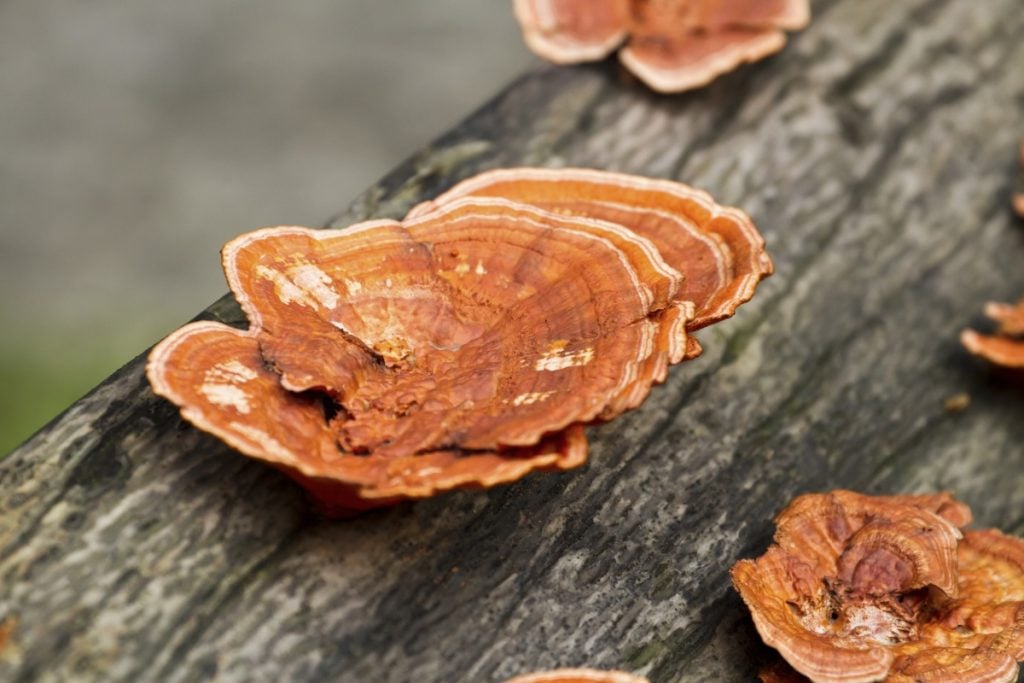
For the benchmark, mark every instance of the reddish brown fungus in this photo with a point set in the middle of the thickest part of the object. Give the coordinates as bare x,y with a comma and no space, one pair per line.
578,676
858,588
221,381
672,45
718,248
1006,346
497,323
463,346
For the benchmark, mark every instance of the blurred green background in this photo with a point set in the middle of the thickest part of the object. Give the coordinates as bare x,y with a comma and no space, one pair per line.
137,137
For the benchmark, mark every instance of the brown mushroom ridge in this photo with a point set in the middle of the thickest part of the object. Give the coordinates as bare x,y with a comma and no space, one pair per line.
717,249
218,376
672,45
578,676
843,599
1006,346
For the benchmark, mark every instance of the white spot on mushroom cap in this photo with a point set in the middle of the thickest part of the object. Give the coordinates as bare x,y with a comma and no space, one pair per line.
307,286
227,395
315,281
233,371
285,289
556,359
531,397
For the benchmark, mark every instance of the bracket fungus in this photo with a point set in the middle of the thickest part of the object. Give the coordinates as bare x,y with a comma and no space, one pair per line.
578,676
465,345
671,45
889,588
1006,347
718,248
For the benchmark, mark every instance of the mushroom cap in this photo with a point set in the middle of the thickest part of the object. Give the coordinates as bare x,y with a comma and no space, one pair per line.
692,60
465,345
224,386
717,249
1006,346
1010,317
485,324
823,593
578,676
714,15
673,45
857,588
571,32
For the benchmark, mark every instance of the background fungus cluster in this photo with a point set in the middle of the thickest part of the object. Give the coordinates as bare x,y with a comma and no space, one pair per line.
671,45
858,588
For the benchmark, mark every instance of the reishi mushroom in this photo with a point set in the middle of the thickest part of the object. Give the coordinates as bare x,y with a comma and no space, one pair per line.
1006,346
858,588
463,346
578,676
671,45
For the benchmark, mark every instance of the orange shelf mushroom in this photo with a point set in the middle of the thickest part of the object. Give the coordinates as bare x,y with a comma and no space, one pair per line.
1006,347
858,588
718,248
463,346
578,676
671,45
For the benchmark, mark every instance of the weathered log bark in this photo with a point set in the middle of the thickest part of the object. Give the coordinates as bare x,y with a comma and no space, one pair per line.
876,154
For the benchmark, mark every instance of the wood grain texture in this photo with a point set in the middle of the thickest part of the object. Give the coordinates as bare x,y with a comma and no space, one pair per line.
877,154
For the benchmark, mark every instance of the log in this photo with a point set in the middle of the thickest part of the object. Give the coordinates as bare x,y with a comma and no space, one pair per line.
877,154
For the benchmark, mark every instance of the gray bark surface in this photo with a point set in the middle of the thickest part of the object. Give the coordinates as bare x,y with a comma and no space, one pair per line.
876,154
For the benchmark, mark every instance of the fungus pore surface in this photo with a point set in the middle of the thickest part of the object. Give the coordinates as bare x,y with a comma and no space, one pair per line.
858,588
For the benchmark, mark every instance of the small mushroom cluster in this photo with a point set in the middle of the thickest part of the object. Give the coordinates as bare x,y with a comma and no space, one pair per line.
1006,347
465,345
671,45
889,588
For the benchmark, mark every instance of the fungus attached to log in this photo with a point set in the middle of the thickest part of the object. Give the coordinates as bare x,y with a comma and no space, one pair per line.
1006,346
463,346
859,588
225,387
672,45
578,676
